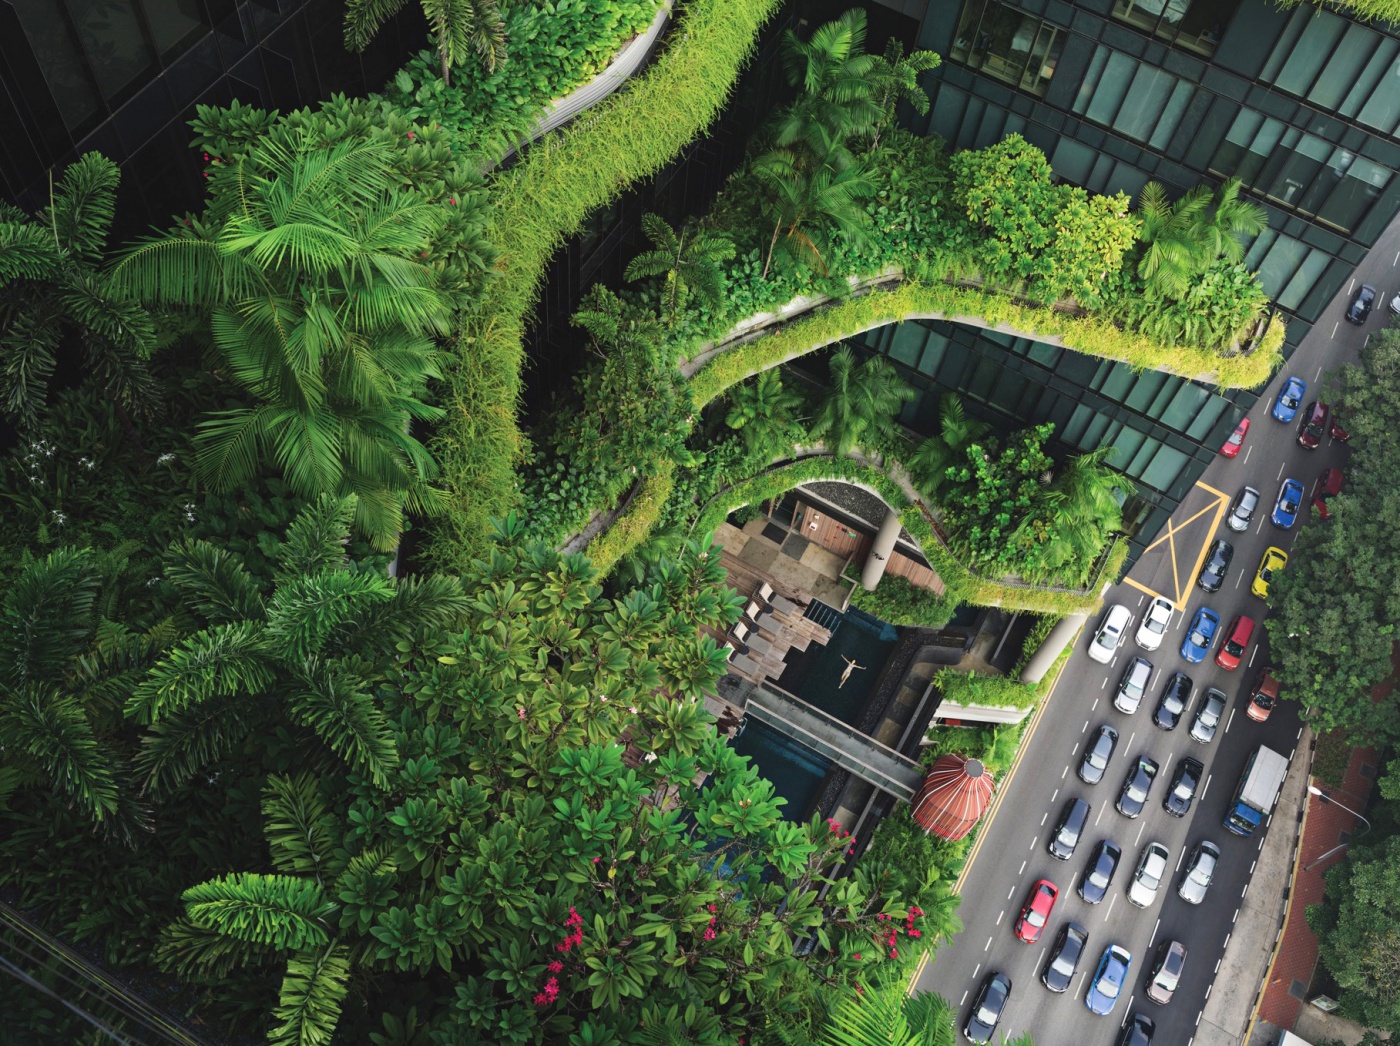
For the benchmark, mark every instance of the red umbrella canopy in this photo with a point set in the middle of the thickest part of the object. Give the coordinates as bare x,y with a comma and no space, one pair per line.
953,797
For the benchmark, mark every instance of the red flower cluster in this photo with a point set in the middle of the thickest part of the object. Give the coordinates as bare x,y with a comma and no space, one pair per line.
575,924
555,967
709,933
550,993
888,940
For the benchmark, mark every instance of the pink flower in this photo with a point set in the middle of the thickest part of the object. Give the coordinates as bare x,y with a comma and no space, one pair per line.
453,200
555,967
709,933
856,956
851,852
596,860
206,157
860,990
410,134
710,908
520,712
915,933
894,953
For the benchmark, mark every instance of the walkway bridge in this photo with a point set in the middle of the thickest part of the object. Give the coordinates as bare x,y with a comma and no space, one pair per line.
844,745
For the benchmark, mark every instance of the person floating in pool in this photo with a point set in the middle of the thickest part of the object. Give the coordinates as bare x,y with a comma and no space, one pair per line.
851,666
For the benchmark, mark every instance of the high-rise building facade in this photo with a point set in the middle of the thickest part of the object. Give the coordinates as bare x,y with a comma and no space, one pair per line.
1301,104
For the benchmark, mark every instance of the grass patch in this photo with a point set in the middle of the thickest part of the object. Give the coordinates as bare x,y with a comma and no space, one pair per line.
631,528
540,203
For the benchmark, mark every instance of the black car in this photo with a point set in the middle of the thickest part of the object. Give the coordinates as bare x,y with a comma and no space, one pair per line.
1360,307
1064,957
1098,873
1138,1031
1136,786
1208,714
1176,694
1216,565
986,1008
1097,753
1185,780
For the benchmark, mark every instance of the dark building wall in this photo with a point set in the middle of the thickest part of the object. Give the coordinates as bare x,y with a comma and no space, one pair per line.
123,77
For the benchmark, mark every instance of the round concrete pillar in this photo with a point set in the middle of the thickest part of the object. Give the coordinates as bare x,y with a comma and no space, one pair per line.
879,556
1060,636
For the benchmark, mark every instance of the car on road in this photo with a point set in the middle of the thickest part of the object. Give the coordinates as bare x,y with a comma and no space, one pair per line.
1136,785
1337,430
1242,511
1216,566
1110,633
1133,685
1063,963
1108,980
1264,695
1208,714
1237,637
1274,560
1361,303
1138,1031
1186,779
1200,635
1176,694
1328,484
1147,877
1290,499
987,1008
1313,425
1165,974
1155,623
1097,753
1099,872
1068,829
1035,913
1235,441
1290,398
1199,871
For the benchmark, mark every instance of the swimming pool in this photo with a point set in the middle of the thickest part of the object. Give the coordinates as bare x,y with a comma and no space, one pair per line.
796,771
815,674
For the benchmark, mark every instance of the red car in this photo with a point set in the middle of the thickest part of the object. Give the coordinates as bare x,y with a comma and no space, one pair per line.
1329,483
1036,911
1314,424
1237,638
1236,440
1337,432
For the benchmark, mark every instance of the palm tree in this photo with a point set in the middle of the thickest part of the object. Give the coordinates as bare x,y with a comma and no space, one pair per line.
1080,508
1169,235
930,462
50,280
885,1014
763,411
860,404
807,205
310,264
896,77
1231,221
689,261
459,27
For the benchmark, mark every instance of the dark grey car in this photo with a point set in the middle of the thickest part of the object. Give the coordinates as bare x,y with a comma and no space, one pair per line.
1068,829
1097,753
1186,779
1098,873
1176,692
1136,786
1064,957
1217,565
982,1021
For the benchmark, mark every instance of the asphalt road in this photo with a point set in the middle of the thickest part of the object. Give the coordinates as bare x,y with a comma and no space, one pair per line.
1012,855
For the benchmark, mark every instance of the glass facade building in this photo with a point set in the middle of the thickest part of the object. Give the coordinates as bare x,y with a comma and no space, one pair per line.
1302,105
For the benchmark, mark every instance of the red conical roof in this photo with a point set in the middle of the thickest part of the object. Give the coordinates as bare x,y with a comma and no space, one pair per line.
953,797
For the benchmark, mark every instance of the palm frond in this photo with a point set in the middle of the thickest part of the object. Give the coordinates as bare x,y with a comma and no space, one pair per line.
302,835
304,611
27,252
181,745
317,538
335,706
280,911
221,662
214,581
54,732
363,19
195,952
46,616
84,203
312,992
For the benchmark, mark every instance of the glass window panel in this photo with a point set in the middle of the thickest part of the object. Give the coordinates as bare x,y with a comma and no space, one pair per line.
969,36
1143,104
1171,116
908,343
1006,393
1072,432
1382,109
1280,264
1045,56
1284,47
1206,417
1165,467
1113,87
59,58
1045,355
1090,83
1125,446
1298,168
1143,456
1380,64
1145,390
1342,69
1118,381
1308,272
1184,406
1164,396
1205,24
1093,435
112,39
1313,48
172,22
1260,247
1072,161
933,355
1352,198
1142,13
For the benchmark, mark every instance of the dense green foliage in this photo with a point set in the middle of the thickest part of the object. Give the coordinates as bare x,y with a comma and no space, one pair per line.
459,28
897,601
1333,633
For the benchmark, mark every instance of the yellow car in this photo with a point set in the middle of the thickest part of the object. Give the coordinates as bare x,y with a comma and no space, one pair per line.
1274,559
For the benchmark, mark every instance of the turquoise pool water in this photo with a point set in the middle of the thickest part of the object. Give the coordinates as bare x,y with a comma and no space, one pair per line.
796,771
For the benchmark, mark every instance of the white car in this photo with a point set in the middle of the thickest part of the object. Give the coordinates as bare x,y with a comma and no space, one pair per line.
1152,866
1110,634
1155,623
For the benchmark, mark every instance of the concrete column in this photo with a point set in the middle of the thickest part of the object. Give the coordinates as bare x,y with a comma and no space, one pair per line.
880,549
1060,637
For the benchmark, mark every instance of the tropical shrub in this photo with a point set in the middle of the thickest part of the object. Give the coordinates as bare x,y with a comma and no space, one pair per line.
899,602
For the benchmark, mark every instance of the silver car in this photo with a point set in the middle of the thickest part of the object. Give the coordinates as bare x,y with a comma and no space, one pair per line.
1242,511
1208,714
1198,873
1133,685
1152,865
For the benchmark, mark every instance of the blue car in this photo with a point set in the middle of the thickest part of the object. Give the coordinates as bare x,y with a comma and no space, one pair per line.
1290,398
1290,497
1108,980
1200,635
